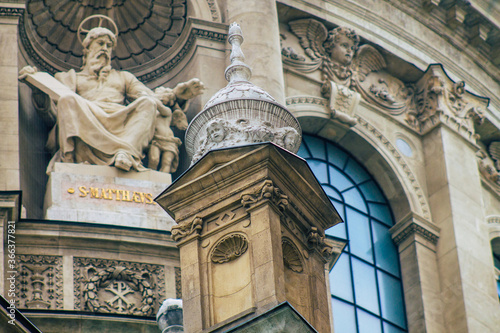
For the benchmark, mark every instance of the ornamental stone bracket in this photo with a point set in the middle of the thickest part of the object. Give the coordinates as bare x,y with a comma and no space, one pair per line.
439,100
266,191
39,282
488,159
112,286
185,229
415,228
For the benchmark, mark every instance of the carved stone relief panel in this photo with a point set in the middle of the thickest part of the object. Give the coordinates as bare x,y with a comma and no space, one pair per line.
228,216
113,286
347,65
39,282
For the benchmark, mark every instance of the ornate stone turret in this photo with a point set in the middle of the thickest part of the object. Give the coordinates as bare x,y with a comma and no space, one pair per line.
241,113
250,217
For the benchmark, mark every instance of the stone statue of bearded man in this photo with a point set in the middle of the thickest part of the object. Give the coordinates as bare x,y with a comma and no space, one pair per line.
110,117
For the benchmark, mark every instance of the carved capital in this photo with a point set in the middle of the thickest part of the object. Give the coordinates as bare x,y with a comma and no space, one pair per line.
316,241
182,230
414,225
267,191
437,100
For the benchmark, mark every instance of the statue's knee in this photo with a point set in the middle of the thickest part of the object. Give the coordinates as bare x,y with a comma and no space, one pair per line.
67,99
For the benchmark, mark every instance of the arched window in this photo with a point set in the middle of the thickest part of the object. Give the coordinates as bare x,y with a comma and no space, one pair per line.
365,283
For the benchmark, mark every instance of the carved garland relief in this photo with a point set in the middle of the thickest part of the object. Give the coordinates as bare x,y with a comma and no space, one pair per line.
112,286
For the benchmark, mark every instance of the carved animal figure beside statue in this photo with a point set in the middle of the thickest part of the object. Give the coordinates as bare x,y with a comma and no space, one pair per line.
108,117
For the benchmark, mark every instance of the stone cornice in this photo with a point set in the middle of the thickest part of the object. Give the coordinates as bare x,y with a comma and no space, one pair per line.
414,224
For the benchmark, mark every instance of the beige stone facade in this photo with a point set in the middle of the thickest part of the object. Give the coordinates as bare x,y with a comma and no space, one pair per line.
414,98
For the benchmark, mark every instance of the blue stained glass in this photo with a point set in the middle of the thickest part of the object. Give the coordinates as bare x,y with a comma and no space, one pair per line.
388,328
381,212
338,179
319,170
391,299
303,152
371,192
356,171
332,193
336,156
365,286
340,279
386,254
360,240
368,323
353,198
316,146
343,317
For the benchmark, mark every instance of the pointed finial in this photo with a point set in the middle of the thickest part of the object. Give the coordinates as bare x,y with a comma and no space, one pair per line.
238,70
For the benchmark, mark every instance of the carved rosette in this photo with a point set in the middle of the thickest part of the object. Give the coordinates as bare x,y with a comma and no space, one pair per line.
229,248
182,230
111,286
40,282
291,256
267,191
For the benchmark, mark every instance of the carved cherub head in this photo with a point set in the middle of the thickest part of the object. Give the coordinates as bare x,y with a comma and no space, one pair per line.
287,138
341,44
216,130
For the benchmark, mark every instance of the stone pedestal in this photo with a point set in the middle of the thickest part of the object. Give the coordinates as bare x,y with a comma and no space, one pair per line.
102,194
250,230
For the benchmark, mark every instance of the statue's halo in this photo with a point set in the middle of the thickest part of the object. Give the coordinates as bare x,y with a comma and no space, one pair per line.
101,18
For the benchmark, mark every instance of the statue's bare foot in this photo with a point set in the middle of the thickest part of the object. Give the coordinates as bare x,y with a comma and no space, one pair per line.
122,161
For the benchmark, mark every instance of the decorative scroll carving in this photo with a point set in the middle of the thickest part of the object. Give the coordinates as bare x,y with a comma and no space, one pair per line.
112,286
40,282
229,248
185,229
291,256
316,240
266,191
489,165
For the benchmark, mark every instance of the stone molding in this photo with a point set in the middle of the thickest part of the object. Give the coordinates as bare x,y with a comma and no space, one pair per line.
266,191
417,188
493,222
113,286
229,248
11,11
40,282
414,225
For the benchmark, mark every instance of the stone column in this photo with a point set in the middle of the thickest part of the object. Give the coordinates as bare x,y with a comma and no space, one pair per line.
9,119
416,239
465,265
259,20
250,231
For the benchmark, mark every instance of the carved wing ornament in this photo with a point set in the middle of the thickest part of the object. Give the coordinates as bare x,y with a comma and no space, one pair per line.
420,104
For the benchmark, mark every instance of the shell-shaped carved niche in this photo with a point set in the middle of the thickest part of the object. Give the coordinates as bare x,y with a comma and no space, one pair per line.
291,256
229,248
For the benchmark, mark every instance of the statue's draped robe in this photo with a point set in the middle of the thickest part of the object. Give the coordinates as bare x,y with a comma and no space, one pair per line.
95,124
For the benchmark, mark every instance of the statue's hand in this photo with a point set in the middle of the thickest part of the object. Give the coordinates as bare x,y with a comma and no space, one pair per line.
189,89
25,71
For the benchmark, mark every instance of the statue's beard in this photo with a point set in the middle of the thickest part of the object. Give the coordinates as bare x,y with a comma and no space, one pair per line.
100,65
